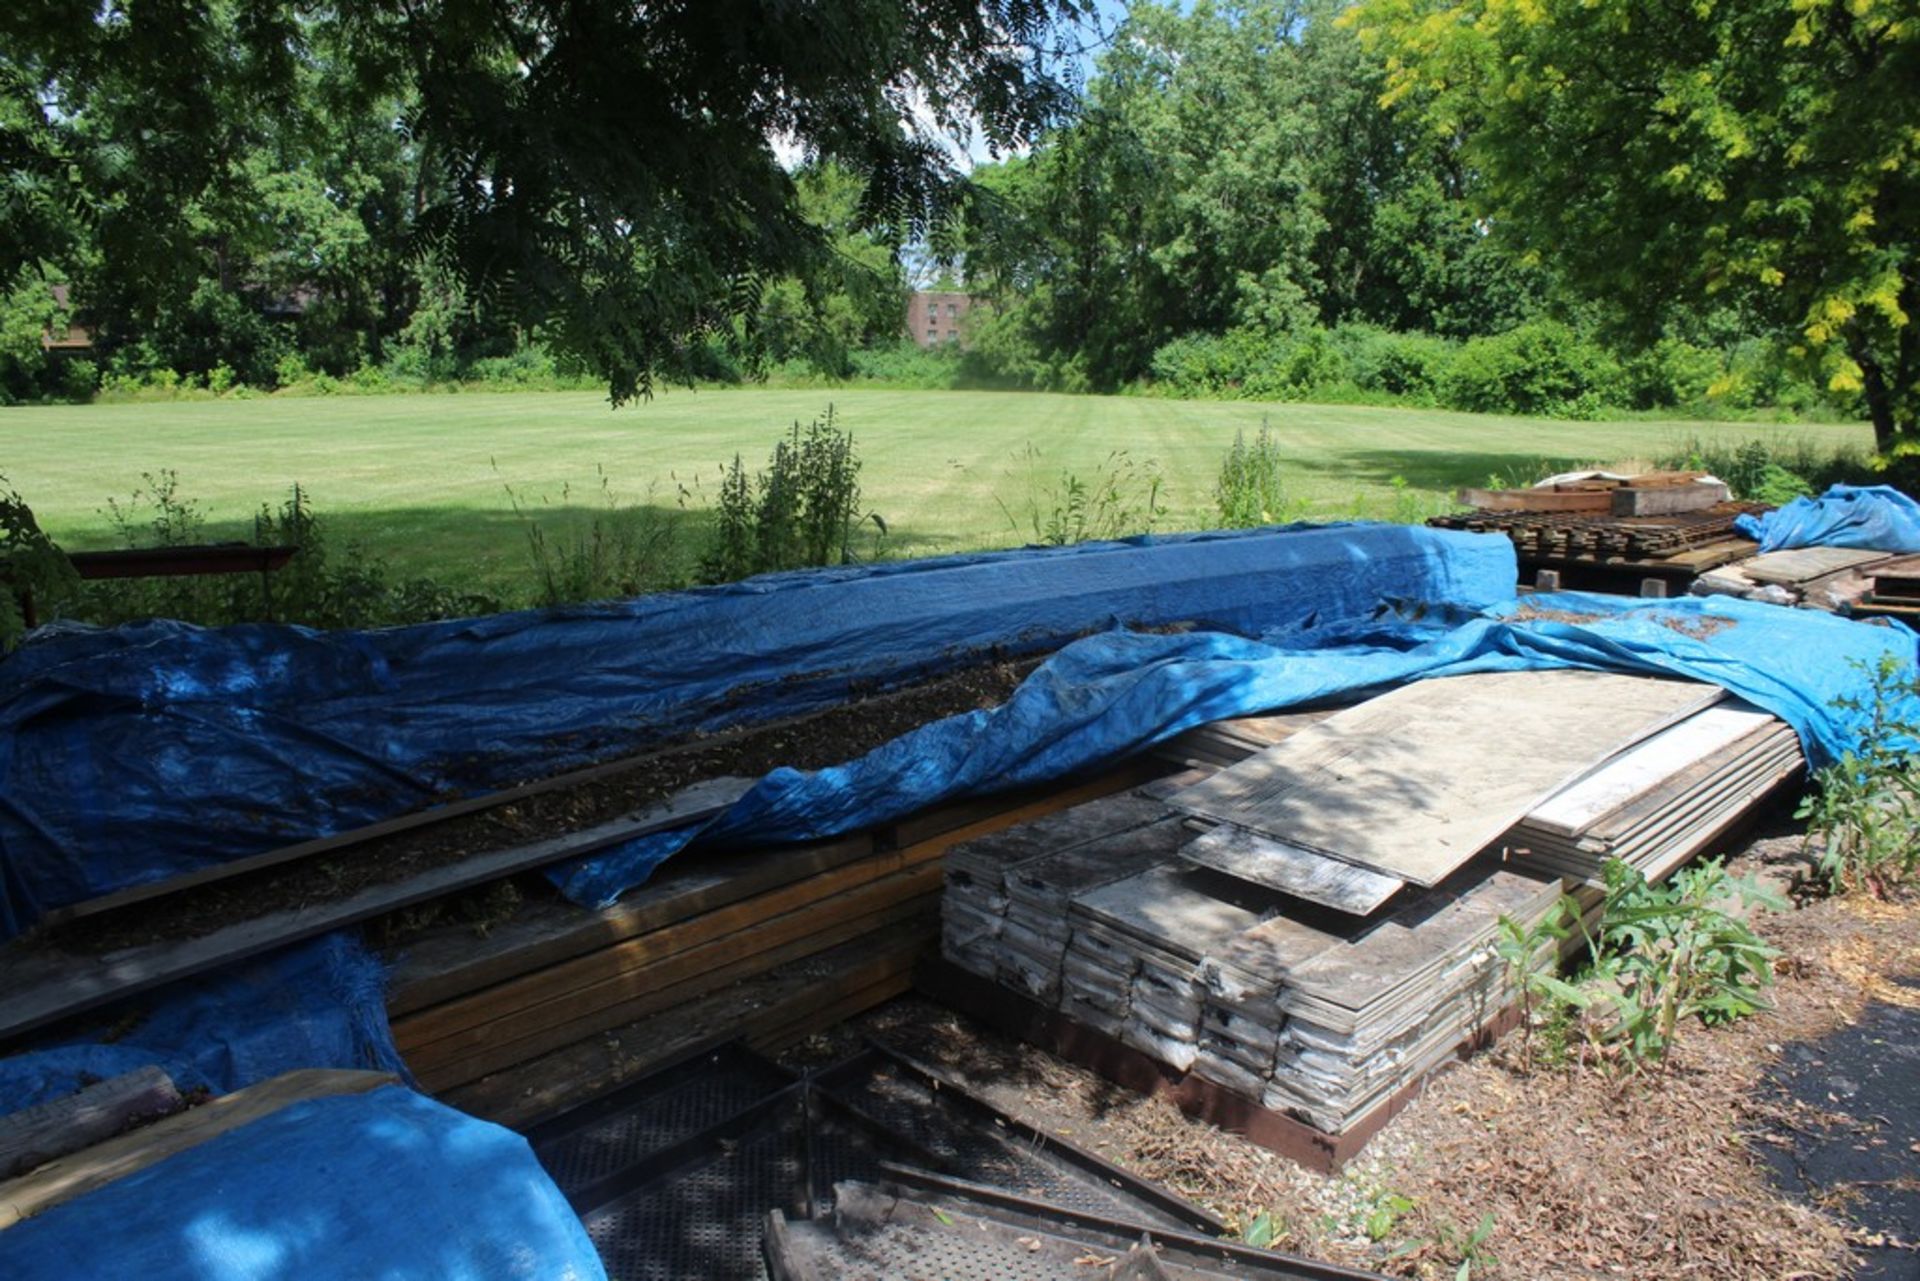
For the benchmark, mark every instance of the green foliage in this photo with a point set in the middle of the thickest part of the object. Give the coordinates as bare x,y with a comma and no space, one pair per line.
1251,491
31,563
1120,500
1673,952
1542,367
1865,809
1751,155
1768,471
608,175
623,550
324,584
802,511
1531,955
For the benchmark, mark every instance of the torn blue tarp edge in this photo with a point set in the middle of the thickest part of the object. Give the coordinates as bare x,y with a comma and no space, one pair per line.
1870,518
161,749
1063,719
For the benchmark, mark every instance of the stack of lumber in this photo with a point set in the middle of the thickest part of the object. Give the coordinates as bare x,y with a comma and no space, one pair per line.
1661,493
1660,803
464,1009
1830,578
1310,927
1893,588
1665,526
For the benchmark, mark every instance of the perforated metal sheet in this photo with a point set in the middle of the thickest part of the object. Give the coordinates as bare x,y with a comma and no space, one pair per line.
905,1105
675,1108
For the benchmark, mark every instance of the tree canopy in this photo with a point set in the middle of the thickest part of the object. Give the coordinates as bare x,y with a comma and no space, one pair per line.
1756,154
610,171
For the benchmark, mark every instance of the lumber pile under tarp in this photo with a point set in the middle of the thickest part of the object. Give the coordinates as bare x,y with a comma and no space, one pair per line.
1124,916
697,955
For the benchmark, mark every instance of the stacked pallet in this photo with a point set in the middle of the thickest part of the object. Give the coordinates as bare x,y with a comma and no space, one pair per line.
1321,974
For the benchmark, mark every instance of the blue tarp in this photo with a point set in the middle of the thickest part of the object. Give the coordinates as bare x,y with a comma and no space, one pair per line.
385,1185
318,1004
1873,518
1106,696
133,755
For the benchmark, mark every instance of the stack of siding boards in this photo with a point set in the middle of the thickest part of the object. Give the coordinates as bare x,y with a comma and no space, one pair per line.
1654,806
1310,927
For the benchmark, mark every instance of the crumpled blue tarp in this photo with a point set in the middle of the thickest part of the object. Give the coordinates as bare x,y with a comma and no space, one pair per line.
384,1185
316,1004
133,755
1106,696
1873,518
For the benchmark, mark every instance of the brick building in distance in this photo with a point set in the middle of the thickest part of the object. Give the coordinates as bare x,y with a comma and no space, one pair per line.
934,316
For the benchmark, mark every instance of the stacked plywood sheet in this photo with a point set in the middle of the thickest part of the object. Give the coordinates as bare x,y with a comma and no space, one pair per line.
1830,578
1465,800
1660,803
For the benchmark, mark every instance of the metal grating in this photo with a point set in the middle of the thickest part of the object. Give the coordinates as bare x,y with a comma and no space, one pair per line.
675,1109
704,1222
674,1174
908,1107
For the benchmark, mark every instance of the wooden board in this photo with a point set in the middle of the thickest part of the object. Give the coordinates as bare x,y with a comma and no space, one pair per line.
1345,887
1803,564
42,984
1597,501
81,1172
771,1008
1668,500
452,962
33,1136
1414,783
491,1039
1646,766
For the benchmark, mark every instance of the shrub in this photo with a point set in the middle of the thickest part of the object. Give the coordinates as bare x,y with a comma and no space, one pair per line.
1249,492
1673,952
1866,806
623,550
800,512
1404,365
1541,367
30,563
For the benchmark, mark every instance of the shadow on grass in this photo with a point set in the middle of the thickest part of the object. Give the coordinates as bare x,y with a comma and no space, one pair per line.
508,555
1436,469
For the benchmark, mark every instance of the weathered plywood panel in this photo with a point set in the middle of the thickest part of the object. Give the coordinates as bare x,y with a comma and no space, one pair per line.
1412,784
1251,856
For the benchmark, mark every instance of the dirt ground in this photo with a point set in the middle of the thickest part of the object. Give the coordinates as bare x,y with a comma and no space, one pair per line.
1584,1175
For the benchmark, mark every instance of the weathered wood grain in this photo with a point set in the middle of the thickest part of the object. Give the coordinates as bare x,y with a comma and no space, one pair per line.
1412,784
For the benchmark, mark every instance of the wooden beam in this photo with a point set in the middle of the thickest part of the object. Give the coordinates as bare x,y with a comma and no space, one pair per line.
33,1136
43,984
775,1004
75,1175
521,1032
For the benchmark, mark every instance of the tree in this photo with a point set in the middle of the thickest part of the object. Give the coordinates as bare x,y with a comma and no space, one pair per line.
1763,154
607,170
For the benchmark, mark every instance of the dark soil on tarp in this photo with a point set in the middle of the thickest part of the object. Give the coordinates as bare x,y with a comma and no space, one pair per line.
830,737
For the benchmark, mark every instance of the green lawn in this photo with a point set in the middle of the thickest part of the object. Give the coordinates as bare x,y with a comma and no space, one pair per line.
422,479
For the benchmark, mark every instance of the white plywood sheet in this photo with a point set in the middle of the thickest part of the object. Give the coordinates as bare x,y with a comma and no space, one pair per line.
1412,784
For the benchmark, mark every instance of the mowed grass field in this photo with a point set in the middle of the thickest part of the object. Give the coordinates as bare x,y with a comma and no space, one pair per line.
423,480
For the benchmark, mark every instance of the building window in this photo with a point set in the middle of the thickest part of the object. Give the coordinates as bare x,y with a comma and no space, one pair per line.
953,309
933,335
